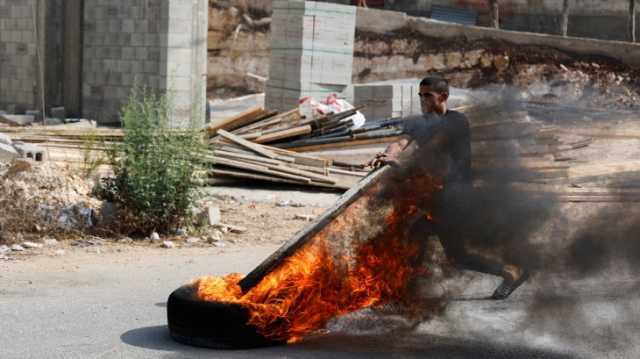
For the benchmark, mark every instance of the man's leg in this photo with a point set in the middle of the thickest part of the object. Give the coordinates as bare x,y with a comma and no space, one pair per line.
512,276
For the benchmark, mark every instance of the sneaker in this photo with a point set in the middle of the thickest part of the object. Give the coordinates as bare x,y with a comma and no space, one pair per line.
508,285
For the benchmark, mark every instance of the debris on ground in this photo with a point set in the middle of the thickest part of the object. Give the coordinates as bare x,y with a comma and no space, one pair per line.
31,245
17,248
46,197
154,237
50,242
304,217
193,240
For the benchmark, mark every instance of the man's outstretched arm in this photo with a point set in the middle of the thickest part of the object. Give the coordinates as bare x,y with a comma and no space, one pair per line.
391,153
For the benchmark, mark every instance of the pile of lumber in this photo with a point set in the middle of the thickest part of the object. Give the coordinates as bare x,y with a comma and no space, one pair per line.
239,150
291,130
234,156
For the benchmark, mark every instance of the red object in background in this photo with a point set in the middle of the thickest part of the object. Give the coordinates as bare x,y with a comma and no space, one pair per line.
482,6
370,3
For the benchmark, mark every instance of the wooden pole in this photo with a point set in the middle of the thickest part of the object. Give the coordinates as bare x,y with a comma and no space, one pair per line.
302,237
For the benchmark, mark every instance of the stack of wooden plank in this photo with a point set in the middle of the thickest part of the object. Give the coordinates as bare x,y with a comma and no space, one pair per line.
238,148
287,129
234,156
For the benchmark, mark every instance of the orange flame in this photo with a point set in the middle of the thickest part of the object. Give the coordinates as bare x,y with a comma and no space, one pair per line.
315,285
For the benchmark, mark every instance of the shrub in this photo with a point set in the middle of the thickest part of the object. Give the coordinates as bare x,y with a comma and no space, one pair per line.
155,167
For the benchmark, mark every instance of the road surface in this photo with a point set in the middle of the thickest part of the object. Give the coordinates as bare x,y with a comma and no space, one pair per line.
112,305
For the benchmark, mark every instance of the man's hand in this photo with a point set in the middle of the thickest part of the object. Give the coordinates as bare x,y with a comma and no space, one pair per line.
390,154
382,159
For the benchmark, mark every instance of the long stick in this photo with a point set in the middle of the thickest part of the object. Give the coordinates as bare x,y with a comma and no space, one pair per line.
302,237
244,143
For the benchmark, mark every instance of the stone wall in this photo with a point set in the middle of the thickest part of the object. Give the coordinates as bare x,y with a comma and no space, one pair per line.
160,45
587,18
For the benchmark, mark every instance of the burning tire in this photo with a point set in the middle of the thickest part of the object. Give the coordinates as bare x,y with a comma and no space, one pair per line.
211,324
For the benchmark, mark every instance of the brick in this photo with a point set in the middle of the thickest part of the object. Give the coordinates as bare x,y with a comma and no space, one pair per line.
17,120
129,53
151,40
141,26
5,139
128,26
30,151
58,112
137,39
7,153
141,53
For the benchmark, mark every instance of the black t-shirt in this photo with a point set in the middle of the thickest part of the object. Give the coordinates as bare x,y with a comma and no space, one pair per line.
449,134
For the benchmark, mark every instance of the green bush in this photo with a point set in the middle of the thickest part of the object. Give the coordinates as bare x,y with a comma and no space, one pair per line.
155,167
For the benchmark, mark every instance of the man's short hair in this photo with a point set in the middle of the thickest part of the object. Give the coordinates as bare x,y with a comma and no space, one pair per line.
436,83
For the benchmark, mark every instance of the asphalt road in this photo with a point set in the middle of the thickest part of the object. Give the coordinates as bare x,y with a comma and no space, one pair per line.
112,305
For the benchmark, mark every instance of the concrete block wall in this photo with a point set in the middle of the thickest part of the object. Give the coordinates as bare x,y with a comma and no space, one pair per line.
18,60
388,99
311,51
158,44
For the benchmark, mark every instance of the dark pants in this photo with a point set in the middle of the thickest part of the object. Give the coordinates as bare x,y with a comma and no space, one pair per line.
449,225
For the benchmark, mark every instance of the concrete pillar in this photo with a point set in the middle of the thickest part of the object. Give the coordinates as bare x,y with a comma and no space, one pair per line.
632,20
494,9
564,25
72,56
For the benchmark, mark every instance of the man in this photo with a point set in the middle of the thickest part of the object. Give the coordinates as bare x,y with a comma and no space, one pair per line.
454,139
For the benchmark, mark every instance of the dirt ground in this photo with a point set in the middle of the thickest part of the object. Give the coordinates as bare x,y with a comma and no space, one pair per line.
263,224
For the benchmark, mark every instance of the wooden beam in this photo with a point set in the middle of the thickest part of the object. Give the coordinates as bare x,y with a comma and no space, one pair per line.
244,118
302,237
217,172
347,144
292,132
302,159
247,144
241,156
292,116
307,174
257,168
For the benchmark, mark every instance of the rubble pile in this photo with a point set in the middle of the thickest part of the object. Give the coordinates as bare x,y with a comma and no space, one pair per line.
589,84
44,197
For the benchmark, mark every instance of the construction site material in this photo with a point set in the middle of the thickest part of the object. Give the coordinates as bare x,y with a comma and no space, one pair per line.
59,112
387,99
30,151
17,120
247,144
311,51
45,195
249,116
246,160
7,153
5,139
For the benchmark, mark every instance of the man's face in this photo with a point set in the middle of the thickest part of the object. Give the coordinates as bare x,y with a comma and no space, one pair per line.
431,101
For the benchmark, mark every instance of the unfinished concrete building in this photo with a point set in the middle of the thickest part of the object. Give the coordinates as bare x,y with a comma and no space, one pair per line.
87,55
